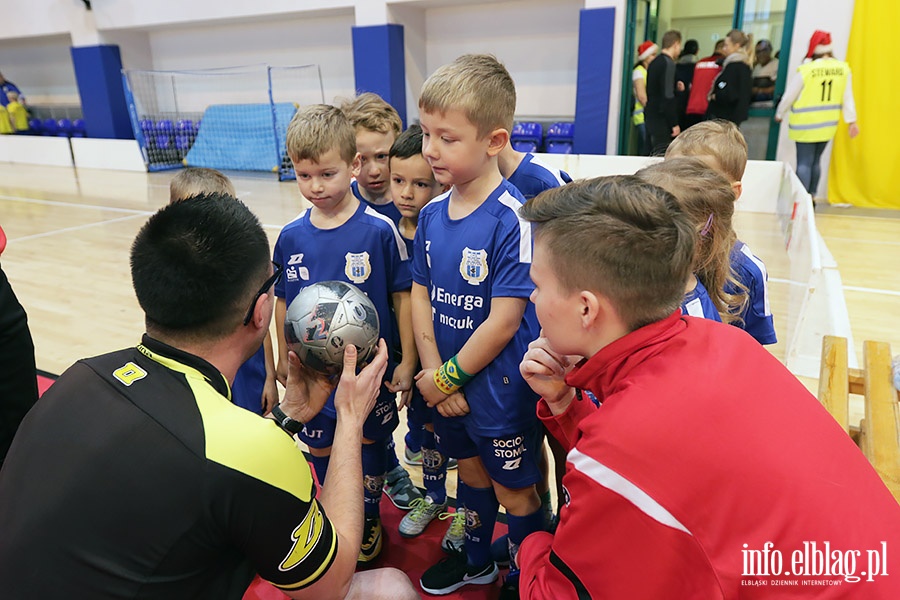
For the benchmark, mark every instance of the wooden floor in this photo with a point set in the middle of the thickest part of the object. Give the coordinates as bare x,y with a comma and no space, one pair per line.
70,233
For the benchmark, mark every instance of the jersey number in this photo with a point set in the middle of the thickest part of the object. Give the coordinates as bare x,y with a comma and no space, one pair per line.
129,373
826,90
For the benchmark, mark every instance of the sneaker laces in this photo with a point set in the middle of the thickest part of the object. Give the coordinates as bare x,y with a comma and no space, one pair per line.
458,525
419,510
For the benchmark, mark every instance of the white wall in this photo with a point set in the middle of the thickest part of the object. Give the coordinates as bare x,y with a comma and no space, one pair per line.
537,43
42,68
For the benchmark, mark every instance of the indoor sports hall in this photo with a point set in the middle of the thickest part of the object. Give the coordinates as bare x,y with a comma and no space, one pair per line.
123,95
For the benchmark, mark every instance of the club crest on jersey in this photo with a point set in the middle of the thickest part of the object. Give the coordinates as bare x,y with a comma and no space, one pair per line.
357,268
473,267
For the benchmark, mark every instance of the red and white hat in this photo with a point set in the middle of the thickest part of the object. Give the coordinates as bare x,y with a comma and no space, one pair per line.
646,50
819,43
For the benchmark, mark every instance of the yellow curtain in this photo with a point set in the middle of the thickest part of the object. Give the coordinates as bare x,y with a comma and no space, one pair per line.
865,171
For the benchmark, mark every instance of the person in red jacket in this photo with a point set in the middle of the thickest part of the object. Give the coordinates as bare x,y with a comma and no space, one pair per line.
705,72
705,469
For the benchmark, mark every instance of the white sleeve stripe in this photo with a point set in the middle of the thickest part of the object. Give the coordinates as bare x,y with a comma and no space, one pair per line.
513,204
745,250
554,172
606,477
401,245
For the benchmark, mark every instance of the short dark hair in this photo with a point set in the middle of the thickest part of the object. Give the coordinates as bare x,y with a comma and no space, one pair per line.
196,265
409,143
624,238
690,47
670,37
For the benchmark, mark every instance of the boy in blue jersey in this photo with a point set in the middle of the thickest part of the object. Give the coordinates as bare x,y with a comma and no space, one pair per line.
339,238
472,316
254,386
529,174
377,125
412,187
721,145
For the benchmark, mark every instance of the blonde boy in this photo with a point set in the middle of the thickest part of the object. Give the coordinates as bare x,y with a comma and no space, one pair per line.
339,238
721,145
472,316
377,125
254,386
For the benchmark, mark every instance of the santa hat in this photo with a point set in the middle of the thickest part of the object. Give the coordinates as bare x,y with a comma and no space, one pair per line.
819,43
646,50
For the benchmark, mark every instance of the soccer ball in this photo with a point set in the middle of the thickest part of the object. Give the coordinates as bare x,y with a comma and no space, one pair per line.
324,318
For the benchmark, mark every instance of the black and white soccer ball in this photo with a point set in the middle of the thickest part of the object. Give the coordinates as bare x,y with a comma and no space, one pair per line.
325,318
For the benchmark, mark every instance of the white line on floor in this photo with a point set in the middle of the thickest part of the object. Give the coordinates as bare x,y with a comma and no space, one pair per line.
74,205
74,228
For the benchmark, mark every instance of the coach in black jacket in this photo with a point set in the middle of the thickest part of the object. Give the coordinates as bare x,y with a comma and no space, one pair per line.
661,112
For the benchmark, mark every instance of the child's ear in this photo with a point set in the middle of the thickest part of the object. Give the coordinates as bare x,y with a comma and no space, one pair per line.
591,307
738,189
498,139
356,165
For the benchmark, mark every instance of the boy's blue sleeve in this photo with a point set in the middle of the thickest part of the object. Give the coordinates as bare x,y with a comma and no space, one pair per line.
420,268
757,315
278,257
512,260
399,277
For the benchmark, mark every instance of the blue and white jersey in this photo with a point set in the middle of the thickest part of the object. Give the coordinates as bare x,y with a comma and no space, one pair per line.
533,176
757,315
366,251
389,210
697,303
464,263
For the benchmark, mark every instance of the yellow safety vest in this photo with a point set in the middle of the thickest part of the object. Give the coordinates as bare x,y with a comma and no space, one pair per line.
637,117
18,115
5,123
815,114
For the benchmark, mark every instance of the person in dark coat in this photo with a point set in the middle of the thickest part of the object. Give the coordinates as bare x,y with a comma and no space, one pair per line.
730,95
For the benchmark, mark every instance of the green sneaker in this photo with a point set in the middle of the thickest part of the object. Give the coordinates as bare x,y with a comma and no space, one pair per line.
400,489
423,512
455,538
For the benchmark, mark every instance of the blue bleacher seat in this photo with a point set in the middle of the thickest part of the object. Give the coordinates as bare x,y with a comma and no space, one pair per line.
526,136
35,126
560,138
50,127
65,127
78,128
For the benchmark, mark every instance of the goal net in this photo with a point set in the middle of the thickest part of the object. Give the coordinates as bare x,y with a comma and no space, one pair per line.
228,119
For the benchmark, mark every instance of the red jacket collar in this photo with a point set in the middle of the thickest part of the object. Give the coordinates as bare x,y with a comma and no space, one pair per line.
600,373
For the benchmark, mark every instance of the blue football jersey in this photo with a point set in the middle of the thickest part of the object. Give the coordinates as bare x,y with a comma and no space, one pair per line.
697,303
464,263
757,315
366,251
533,176
389,210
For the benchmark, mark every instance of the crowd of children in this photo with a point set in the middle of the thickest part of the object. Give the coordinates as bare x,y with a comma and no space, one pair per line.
435,224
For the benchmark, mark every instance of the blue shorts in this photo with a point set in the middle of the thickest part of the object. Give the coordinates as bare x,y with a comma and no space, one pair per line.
381,422
510,459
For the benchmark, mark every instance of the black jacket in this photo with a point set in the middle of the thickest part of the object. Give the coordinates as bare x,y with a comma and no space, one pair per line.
731,93
661,102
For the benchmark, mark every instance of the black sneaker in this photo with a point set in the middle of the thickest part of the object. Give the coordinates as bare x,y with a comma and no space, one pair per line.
452,573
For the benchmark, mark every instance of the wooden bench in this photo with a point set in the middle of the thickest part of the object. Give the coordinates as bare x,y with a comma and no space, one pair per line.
878,433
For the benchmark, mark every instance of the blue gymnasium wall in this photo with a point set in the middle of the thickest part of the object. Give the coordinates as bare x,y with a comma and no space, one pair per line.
378,64
595,59
98,73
